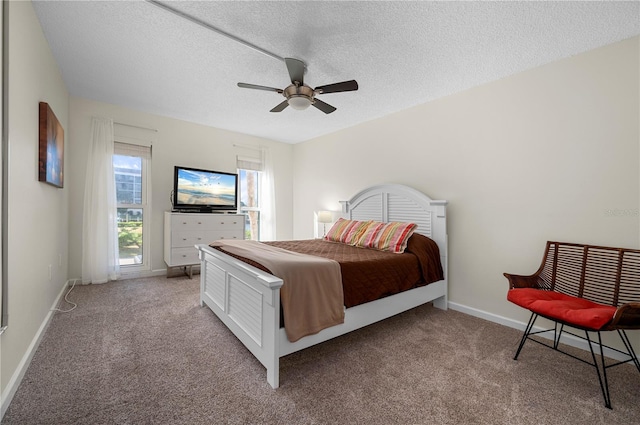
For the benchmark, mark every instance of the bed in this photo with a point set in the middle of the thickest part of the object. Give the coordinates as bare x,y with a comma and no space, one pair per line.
246,298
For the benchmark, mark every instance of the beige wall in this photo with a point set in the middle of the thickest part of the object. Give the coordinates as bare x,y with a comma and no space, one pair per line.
176,142
38,213
548,154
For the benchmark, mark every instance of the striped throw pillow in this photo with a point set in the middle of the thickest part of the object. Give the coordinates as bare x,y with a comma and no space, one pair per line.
366,238
346,231
392,236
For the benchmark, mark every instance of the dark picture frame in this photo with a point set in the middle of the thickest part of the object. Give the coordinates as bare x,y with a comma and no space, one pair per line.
51,148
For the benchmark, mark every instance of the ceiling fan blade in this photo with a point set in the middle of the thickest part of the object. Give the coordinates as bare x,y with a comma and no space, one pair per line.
337,87
280,107
296,70
324,107
254,86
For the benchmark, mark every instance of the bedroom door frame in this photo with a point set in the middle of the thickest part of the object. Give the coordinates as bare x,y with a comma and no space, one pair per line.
4,130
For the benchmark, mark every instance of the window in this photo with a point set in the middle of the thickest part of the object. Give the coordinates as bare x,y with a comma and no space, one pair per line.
131,171
250,202
257,195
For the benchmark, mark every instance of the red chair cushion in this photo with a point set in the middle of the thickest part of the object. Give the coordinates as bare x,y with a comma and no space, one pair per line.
564,308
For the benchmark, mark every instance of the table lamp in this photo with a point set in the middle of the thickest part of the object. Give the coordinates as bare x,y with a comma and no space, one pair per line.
325,217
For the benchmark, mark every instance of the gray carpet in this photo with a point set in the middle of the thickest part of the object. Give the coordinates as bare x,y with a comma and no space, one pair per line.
144,352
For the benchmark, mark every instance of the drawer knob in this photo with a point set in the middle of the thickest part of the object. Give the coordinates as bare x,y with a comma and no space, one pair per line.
199,239
184,255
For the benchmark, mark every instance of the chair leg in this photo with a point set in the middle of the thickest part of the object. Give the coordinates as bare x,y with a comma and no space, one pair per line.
629,347
601,367
527,330
602,375
557,335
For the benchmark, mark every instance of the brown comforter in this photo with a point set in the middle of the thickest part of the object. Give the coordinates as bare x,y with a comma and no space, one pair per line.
368,274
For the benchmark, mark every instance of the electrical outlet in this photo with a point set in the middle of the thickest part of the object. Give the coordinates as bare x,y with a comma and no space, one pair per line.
50,276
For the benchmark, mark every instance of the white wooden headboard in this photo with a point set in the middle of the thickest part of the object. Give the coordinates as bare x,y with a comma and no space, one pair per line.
395,202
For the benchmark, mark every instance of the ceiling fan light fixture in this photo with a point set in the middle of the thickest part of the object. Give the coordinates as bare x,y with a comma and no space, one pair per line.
299,102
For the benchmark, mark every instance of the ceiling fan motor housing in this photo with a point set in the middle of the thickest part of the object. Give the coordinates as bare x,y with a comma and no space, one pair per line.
299,97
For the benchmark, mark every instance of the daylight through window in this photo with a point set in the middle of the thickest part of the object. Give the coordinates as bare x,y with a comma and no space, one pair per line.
130,167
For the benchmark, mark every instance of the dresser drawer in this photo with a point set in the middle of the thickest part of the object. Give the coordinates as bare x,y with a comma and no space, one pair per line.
208,222
184,256
189,238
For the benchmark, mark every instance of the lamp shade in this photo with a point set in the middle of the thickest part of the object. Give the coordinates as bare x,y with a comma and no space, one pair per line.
325,217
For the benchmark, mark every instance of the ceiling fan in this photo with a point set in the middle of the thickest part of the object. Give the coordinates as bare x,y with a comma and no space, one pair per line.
298,95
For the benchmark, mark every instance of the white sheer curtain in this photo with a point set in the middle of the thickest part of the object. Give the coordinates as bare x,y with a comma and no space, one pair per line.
99,228
267,198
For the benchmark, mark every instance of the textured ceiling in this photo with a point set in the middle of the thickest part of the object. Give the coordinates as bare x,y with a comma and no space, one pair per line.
138,55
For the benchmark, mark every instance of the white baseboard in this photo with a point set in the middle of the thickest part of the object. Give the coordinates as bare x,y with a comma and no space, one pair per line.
17,376
157,272
146,273
566,339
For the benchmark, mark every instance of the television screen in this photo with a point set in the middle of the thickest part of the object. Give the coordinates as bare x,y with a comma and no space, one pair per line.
204,190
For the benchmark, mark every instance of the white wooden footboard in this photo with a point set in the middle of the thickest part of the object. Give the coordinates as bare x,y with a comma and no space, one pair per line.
247,300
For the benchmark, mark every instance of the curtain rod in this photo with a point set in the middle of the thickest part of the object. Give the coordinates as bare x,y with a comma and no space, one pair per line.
254,148
135,126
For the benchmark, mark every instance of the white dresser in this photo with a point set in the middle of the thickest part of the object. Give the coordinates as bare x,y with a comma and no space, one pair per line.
184,230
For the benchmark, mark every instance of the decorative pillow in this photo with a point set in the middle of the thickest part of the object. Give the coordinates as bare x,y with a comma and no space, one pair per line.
355,232
392,236
366,238
346,231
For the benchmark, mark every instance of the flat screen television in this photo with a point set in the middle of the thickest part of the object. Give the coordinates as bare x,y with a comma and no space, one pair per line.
198,190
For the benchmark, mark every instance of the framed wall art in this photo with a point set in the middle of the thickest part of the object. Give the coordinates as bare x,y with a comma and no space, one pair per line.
51,148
